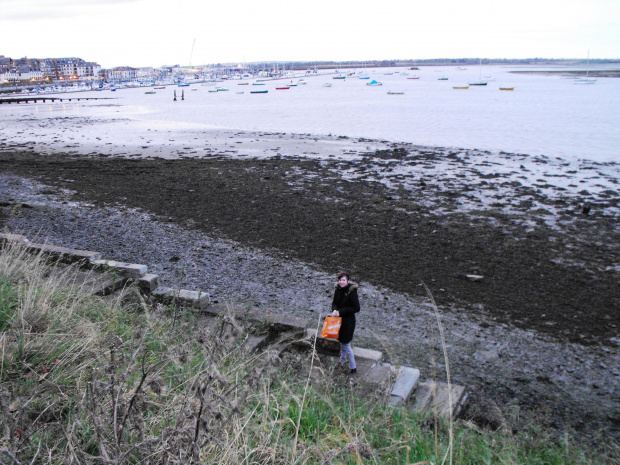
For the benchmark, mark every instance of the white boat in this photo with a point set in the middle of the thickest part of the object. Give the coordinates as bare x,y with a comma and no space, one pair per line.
390,92
480,82
327,84
587,79
374,83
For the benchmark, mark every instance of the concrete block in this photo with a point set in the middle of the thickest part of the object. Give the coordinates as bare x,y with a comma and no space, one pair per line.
327,346
88,282
181,297
8,237
131,270
64,254
406,381
435,396
380,376
369,354
149,282
280,323
255,343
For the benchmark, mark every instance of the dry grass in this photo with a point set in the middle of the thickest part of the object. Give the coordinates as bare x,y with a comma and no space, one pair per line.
86,381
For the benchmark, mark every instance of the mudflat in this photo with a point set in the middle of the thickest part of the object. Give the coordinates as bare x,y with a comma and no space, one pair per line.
547,268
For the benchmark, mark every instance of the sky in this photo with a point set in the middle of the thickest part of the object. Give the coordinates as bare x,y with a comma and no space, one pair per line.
195,32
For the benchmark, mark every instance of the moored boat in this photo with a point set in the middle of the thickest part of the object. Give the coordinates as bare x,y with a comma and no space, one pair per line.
258,91
506,88
374,83
460,87
395,93
339,77
150,92
283,88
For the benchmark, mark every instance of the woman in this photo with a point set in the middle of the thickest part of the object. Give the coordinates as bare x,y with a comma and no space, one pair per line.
346,305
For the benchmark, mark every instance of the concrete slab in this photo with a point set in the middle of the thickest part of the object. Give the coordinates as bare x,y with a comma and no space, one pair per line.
327,346
131,270
88,282
279,323
13,238
432,395
406,381
255,343
380,376
374,355
64,254
180,297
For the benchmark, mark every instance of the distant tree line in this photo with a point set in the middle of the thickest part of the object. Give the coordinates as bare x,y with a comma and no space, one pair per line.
439,61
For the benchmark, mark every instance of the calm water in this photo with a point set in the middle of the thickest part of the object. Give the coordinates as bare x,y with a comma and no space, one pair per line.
546,115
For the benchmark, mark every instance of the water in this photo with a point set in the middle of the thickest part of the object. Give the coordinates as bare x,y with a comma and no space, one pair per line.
544,115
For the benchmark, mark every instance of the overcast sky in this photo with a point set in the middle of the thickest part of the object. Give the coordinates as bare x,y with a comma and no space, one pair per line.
156,32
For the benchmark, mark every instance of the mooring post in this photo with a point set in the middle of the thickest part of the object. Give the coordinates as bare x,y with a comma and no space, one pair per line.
183,94
175,95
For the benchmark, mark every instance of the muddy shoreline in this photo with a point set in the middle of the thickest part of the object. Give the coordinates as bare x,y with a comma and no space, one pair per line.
548,287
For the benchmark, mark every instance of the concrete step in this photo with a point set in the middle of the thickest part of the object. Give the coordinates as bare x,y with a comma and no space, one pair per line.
180,297
433,396
64,254
406,381
88,282
130,270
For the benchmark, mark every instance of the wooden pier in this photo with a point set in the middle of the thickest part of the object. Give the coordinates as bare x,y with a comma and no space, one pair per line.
37,98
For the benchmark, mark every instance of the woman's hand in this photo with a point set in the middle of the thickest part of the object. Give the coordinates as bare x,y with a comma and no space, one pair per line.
335,313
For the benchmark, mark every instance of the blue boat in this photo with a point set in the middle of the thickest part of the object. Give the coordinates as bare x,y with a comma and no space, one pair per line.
258,91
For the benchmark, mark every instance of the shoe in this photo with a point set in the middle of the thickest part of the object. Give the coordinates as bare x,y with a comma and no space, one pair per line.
353,370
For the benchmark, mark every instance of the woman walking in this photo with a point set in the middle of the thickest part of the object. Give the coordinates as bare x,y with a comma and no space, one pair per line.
346,305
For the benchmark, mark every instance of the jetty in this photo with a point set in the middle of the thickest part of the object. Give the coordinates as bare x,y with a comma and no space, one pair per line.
37,98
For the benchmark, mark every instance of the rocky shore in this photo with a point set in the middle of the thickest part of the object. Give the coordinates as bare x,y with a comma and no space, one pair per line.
525,271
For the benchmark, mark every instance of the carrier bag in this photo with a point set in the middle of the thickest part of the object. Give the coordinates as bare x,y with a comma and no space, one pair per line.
331,327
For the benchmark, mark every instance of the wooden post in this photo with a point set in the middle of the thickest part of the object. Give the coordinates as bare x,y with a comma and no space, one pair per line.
175,95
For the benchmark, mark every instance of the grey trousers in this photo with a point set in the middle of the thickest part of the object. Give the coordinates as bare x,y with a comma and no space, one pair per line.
346,352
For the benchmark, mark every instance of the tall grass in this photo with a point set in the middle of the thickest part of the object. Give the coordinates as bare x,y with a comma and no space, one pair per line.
87,380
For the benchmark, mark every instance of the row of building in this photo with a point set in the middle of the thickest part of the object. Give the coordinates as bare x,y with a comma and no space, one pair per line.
24,71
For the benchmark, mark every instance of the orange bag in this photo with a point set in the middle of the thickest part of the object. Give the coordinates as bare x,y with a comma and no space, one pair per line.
331,327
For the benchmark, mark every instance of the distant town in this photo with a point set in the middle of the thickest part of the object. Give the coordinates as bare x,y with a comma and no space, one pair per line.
35,74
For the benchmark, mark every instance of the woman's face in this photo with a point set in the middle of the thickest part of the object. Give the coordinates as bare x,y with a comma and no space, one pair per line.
342,282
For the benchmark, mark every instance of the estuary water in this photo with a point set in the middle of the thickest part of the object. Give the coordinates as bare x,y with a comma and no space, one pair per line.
544,114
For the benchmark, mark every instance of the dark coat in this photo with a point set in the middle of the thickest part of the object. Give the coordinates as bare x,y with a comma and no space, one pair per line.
347,304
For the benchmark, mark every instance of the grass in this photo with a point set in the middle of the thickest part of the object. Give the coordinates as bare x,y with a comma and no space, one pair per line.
88,381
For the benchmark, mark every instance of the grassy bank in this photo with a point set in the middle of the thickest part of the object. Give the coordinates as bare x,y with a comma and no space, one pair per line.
92,380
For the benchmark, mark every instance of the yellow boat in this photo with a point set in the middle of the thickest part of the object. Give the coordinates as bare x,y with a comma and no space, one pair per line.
461,87
506,88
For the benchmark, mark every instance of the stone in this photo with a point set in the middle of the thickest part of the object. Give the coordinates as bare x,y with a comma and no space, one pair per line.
486,356
131,270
